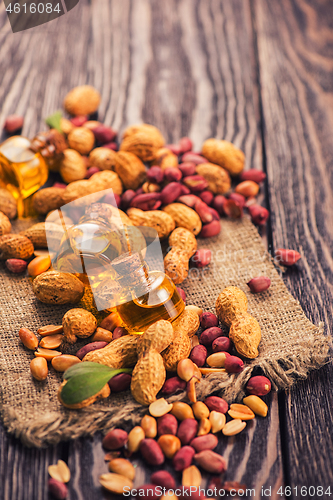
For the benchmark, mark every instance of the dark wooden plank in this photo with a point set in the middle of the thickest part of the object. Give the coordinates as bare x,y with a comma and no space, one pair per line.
23,470
295,55
188,67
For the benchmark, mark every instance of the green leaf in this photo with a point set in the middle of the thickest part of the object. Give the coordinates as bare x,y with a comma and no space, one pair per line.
86,367
54,121
85,380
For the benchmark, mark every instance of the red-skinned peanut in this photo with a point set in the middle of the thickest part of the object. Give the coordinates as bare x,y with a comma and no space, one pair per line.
232,209
253,175
258,385
221,344
202,257
198,355
187,430
211,229
210,334
183,458
259,214
173,385
208,319
151,452
215,403
164,479
233,364
207,197
167,424
287,257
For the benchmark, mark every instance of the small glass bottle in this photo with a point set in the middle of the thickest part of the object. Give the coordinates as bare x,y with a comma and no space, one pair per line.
22,171
24,165
111,258
147,296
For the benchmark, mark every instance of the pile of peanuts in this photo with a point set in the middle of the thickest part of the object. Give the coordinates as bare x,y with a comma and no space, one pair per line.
182,434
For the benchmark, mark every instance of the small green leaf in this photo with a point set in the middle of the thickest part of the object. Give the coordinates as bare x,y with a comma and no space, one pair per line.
54,121
85,380
86,367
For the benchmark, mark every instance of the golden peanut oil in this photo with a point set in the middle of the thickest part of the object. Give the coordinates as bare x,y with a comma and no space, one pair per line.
161,301
22,172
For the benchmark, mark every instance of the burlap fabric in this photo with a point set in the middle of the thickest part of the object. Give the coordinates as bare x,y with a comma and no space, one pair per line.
291,345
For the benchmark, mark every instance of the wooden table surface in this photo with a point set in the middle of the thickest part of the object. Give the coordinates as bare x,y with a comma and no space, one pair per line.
257,73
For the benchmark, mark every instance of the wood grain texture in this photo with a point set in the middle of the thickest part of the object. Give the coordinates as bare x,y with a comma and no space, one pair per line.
23,471
295,62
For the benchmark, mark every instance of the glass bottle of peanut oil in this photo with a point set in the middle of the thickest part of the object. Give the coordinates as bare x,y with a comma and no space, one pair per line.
22,171
146,296
24,165
123,268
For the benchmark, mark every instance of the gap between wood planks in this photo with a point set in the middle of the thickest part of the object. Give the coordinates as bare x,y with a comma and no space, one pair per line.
269,241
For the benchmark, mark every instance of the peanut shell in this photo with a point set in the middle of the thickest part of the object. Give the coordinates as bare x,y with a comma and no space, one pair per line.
184,239
161,221
102,158
218,178
188,322
82,100
120,353
15,246
245,332
78,323
130,169
5,225
179,348
97,182
44,234
53,287
72,166
230,303
8,204
176,265
48,199
143,141
148,377
157,336
184,217
165,159
225,154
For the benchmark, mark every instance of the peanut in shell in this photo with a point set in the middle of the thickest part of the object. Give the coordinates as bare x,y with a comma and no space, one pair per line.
218,178
230,303
130,169
8,203
5,225
184,216
245,332
161,221
225,154
179,349
120,353
148,377
15,246
53,287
